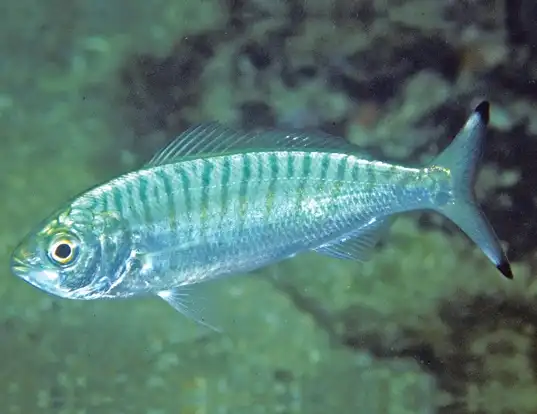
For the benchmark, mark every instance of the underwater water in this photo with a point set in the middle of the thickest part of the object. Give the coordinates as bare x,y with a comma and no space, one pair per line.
92,89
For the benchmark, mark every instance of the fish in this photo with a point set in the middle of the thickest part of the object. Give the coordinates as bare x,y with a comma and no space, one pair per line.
218,201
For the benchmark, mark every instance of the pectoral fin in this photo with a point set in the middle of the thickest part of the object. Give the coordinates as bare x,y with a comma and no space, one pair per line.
191,304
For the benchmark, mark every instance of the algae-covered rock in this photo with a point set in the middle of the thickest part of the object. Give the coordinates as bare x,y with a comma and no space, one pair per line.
112,357
402,284
427,326
435,299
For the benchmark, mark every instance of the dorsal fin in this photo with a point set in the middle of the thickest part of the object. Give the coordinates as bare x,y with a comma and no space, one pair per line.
214,138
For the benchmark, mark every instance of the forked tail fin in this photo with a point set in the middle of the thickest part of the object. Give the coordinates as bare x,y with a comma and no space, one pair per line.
461,158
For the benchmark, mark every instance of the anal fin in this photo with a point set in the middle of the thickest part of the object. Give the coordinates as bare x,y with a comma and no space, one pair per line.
360,244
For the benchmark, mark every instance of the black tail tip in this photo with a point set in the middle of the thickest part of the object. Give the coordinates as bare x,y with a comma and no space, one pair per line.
505,269
483,110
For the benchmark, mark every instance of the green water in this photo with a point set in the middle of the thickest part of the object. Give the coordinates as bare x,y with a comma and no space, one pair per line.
90,89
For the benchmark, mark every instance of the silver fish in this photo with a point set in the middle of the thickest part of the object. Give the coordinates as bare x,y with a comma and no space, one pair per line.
216,202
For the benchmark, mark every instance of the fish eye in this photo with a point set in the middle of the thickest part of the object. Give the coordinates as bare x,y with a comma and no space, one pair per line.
63,251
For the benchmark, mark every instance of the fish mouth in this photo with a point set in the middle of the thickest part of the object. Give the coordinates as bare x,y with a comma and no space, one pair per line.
30,275
23,272
19,267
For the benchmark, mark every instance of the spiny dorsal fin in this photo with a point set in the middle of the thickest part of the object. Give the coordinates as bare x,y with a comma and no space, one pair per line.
215,138
358,245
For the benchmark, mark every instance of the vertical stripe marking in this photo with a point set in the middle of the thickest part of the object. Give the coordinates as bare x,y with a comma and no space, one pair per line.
206,178
340,176
226,176
170,199
274,172
145,202
244,183
304,179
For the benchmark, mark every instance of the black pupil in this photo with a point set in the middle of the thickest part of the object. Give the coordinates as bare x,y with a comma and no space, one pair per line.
63,251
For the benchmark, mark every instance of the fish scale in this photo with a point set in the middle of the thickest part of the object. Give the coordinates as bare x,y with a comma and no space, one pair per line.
300,209
194,214
216,202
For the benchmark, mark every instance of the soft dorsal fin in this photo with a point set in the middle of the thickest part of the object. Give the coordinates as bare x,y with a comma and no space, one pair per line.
214,138
360,244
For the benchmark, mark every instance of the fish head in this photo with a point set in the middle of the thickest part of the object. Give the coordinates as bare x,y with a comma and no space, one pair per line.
63,256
